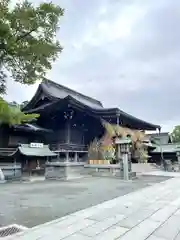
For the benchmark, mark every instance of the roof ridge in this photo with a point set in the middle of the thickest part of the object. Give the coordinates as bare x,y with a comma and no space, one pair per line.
71,91
161,133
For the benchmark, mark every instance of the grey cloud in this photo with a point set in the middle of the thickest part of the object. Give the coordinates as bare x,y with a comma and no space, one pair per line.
79,16
158,34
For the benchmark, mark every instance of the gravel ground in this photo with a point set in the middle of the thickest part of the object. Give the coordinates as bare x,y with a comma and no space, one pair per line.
31,204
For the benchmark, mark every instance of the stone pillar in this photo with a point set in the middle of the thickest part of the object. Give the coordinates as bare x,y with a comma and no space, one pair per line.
118,151
125,166
129,162
2,178
75,157
67,156
118,155
178,157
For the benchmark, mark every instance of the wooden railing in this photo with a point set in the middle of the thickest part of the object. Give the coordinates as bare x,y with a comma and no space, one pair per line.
63,147
7,151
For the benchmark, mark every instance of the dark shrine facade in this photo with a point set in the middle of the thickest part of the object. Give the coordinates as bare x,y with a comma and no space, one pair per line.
68,122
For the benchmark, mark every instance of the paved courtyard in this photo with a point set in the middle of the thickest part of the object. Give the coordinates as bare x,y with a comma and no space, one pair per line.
151,213
31,204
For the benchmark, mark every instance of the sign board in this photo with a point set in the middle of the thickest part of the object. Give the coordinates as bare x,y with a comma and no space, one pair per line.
36,145
122,141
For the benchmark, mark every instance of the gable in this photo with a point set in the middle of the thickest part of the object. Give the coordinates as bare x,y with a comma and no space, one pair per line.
49,91
58,91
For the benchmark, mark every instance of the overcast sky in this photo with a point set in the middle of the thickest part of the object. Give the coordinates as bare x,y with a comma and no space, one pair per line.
125,53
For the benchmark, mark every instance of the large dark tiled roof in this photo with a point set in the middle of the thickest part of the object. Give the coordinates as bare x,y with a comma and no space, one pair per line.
59,91
57,94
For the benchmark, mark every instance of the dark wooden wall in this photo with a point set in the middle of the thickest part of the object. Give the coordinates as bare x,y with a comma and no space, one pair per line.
83,129
17,138
77,136
156,157
4,136
60,136
56,137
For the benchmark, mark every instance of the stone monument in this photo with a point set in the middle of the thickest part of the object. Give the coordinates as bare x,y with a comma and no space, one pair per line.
2,178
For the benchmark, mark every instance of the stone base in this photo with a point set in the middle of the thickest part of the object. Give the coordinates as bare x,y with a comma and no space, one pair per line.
64,171
112,170
2,181
11,172
70,170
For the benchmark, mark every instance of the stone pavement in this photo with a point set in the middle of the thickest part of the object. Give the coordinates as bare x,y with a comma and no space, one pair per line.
152,213
31,204
162,173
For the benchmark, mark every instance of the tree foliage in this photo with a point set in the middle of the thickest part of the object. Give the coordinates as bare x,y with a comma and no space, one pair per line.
139,149
28,44
12,114
175,135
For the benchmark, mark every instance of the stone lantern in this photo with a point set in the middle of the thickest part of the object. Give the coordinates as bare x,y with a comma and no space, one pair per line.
123,150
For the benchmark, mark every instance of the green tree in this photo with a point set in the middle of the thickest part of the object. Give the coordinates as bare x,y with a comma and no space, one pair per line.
28,44
175,135
12,114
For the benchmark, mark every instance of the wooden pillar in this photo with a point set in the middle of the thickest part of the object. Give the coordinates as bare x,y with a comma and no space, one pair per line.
68,132
159,130
68,116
